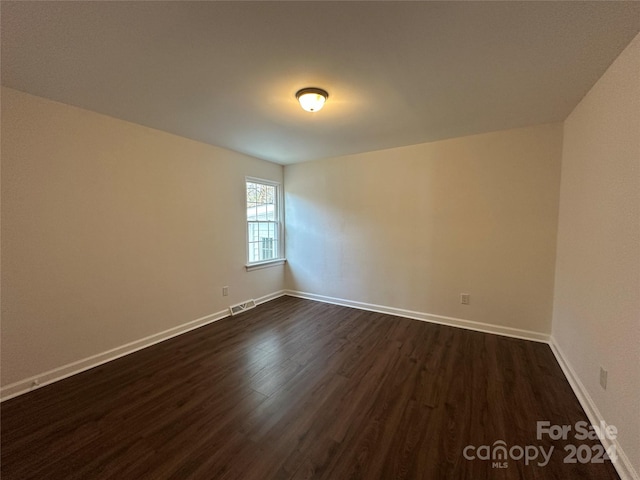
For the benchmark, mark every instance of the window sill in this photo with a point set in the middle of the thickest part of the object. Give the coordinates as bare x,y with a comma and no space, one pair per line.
269,263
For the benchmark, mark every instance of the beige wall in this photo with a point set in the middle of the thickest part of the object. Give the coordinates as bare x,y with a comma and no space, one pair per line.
596,315
112,232
414,227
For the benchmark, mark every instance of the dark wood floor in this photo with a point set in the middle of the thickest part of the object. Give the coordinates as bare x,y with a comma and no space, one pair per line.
297,389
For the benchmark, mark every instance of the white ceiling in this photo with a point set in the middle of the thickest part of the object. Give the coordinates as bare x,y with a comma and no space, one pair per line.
398,73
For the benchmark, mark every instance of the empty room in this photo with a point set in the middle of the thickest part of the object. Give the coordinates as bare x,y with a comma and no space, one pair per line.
379,240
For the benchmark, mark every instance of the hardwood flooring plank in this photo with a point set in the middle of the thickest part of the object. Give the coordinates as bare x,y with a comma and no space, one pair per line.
296,389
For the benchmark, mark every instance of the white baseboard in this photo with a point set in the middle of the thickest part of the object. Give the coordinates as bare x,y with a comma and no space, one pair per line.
427,317
270,296
23,386
622,464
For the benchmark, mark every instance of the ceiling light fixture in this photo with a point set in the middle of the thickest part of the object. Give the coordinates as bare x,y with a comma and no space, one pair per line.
312,99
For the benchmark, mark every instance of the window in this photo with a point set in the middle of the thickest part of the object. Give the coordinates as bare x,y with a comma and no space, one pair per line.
263,222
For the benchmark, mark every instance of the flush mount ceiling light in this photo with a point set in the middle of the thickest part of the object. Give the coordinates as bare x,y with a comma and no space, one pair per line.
312,99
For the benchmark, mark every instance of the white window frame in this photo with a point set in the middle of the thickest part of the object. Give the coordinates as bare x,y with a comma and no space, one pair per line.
279,260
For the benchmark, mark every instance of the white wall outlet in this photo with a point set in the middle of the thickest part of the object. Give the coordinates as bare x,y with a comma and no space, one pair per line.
225,291
603,378
465,298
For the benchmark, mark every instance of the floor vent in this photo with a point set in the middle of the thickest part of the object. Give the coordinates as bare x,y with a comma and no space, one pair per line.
241,307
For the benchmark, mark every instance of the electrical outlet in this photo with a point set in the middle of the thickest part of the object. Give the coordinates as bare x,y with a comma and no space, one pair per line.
465,298
225,291
603,378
